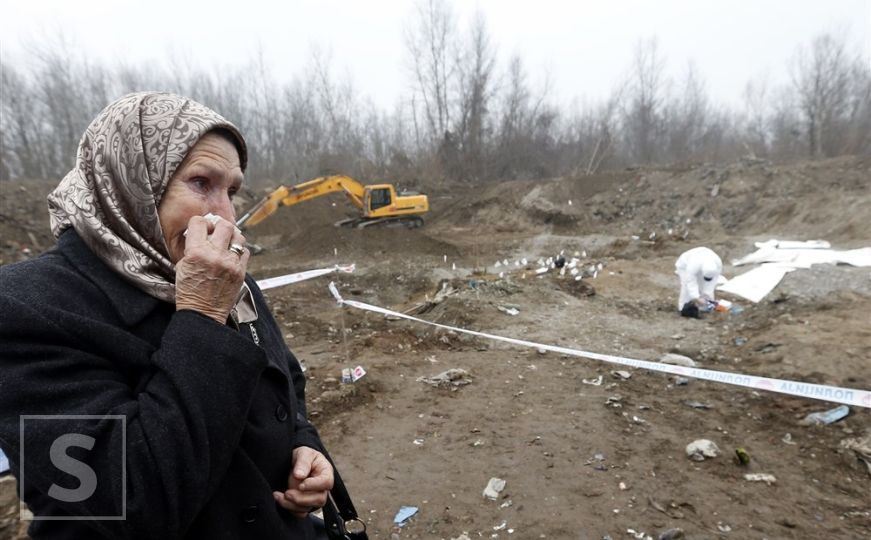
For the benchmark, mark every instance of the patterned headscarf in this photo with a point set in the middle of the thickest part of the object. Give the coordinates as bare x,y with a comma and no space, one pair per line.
124,163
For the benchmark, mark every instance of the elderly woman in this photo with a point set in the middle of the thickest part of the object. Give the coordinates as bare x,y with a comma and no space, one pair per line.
146,390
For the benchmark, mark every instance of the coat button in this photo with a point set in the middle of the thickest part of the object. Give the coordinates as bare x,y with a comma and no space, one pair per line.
281,413
249,515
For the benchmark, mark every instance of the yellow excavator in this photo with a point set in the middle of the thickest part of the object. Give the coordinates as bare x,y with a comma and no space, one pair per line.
379,204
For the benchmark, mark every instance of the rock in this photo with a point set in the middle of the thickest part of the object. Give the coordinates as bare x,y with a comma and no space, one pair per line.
760,477
494,488
677,360
671,534
452,378
700,449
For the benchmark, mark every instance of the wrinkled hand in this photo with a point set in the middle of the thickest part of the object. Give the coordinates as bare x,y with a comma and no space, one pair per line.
209,276
309,483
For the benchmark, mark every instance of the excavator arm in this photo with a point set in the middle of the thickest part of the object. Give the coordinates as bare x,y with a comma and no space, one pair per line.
288,196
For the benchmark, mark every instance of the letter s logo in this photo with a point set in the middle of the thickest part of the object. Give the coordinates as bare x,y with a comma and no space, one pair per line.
86,475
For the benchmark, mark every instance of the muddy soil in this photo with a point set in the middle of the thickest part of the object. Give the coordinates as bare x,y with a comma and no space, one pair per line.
580,460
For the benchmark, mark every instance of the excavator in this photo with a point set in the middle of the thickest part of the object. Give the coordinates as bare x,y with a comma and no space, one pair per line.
379,204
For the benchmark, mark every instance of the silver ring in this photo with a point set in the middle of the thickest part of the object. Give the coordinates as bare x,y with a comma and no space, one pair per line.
238,249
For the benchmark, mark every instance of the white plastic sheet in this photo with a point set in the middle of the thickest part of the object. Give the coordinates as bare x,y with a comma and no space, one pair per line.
778,257
757,283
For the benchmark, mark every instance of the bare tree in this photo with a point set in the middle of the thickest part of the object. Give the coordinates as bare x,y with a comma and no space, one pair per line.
858,130
821,78
475,66
756,117
429,40
644,102
686,119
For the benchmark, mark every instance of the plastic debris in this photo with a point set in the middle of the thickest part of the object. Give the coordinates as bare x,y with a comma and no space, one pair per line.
740,341
352,375
357,373
4,462
700,449
614,401
464,536
620,374
743,456
508,310
697,404
640,535
404,514
681,381
787,439
452,378
825,417
760,477
595,382
501,526
494,488
677,360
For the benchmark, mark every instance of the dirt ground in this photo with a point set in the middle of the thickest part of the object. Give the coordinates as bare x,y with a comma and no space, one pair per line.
579,460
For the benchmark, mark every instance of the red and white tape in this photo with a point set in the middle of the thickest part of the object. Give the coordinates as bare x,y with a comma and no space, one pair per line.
835,394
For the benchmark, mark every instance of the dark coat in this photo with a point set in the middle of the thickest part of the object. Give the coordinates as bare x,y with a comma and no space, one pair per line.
210,417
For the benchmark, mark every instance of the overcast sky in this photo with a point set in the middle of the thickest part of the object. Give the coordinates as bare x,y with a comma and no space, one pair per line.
584,45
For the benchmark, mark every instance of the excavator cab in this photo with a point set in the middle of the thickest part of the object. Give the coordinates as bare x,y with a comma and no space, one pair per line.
377,197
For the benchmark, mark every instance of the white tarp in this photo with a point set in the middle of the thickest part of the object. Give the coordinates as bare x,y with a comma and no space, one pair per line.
780,257
804,254
757,283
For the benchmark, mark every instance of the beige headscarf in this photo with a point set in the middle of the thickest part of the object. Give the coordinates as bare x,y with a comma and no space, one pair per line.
124,162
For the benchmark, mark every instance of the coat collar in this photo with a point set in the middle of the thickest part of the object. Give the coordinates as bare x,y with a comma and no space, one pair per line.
131,303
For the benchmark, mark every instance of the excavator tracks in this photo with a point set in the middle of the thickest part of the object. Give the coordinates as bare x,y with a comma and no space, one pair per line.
409,222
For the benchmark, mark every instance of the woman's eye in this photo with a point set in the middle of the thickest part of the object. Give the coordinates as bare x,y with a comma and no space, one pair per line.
232,192
200,183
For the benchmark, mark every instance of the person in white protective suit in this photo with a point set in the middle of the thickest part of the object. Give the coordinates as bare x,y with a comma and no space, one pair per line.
698,269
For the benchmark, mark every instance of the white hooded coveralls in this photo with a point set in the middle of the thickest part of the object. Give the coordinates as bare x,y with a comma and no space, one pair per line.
692,267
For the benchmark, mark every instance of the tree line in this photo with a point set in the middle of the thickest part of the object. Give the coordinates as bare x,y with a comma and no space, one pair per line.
467,117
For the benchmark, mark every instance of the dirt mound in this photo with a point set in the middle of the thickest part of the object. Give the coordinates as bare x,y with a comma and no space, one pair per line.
746,197
528,205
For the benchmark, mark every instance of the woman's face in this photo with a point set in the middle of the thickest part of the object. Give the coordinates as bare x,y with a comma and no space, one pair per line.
205,182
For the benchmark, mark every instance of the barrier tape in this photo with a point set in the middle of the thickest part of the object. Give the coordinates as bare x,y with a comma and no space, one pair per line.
278,281
847,396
